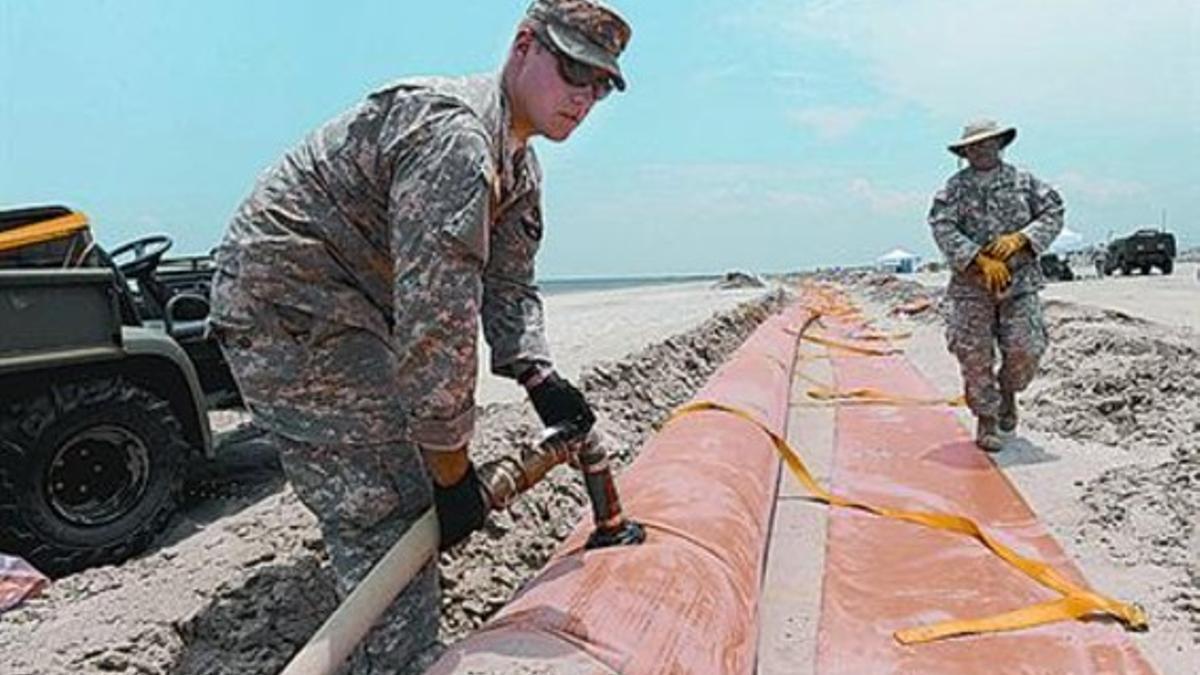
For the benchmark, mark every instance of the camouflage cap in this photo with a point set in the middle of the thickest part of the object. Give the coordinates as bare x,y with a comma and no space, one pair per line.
586,30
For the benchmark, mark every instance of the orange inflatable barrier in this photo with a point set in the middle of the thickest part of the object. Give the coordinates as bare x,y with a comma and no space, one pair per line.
685,601
888,580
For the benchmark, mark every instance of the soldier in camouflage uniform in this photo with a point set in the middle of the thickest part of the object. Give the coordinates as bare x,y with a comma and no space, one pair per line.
991,222
353,278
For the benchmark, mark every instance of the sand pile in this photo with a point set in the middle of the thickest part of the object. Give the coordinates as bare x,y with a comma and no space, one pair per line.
739,279
242,580
920,302
1117,380
899,296
1147,516
1123,382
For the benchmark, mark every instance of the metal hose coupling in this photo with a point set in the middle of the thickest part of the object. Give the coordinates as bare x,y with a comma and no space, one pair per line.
504,479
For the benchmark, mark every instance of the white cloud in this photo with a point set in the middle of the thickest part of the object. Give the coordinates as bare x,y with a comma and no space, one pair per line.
754,215
831,122
1067,240
1097,189
793,76
886,200
1080,62
716,74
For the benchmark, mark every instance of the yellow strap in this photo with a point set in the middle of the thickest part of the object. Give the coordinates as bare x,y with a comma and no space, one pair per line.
873,396
858,349
47,230
879,335
870,396
1077,601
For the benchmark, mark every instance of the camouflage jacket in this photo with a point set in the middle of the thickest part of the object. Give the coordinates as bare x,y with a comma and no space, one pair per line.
975,207
410,216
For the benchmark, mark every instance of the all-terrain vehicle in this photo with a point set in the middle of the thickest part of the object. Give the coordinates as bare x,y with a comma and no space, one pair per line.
106,376
1142,250
1054,267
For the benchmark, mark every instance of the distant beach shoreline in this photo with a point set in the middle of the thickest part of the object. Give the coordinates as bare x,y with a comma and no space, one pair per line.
564,285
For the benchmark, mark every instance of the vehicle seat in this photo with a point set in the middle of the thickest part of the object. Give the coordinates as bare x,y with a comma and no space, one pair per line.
186,317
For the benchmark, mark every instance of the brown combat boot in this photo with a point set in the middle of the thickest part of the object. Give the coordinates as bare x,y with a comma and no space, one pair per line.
1008,412
986,436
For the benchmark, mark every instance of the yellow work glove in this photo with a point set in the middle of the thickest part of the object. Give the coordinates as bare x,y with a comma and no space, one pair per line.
1003,247
995,273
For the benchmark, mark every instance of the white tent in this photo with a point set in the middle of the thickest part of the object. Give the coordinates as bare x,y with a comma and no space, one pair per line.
1068,240
899,261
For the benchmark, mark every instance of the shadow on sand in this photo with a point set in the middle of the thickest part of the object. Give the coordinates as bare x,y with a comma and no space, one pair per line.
256,627
1019,451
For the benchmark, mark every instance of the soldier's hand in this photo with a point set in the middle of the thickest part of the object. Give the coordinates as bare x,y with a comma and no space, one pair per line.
995,273
557,401
457,495
1003,247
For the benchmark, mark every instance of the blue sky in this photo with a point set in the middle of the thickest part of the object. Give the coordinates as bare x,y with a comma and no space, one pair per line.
766,134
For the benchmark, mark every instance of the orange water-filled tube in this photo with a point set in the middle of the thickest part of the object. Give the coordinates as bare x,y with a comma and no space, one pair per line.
686,600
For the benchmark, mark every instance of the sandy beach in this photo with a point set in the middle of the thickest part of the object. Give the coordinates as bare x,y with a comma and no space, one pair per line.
1105,456
752,451
590,326
241,580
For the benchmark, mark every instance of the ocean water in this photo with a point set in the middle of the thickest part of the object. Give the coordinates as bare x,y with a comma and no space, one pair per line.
582,284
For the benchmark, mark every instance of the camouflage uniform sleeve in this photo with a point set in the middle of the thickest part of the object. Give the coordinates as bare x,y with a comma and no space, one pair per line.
438,213
1047,207
513,320
958,249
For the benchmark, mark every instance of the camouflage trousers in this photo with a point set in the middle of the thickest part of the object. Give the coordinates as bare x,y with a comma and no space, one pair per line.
977,327
366,498
365,495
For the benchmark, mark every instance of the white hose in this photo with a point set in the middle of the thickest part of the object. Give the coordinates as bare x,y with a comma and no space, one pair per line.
353,619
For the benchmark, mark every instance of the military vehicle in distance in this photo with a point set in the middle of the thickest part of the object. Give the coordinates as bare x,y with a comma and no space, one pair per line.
107,373
1143,250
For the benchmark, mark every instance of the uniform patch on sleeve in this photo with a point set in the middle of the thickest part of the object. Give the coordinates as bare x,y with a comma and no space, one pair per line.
532,224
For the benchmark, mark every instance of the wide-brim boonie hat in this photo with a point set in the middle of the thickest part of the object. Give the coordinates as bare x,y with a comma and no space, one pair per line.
981,130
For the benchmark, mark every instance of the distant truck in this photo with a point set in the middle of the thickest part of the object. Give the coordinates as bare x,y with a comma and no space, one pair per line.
107,372
1143,250
1054,267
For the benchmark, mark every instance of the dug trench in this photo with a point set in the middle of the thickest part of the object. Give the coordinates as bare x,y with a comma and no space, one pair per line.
242,579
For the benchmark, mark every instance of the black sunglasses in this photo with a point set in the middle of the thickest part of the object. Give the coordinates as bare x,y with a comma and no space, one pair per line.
576,73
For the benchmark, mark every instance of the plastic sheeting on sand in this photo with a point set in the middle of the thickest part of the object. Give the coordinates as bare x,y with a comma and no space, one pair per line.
686,600
18,582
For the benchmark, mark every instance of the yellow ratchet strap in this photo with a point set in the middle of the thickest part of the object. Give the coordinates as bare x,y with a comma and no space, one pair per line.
873,396
1075,603
48,230
880,335
848,346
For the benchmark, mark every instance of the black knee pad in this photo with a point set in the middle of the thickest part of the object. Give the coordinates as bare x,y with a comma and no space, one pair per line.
460,508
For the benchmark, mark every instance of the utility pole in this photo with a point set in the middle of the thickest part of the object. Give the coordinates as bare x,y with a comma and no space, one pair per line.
1164,219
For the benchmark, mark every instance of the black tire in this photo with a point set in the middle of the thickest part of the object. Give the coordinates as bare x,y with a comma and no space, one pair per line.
90,471
1168,266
